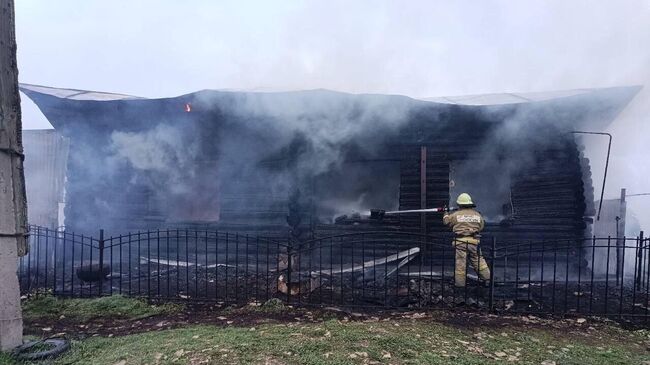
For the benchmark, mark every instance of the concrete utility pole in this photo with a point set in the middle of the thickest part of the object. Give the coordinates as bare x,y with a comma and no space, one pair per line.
13,207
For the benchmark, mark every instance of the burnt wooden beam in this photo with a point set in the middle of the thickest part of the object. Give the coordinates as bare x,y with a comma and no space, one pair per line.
423,188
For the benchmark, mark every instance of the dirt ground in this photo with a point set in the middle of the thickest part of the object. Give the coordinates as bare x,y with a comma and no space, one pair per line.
121,330
252,315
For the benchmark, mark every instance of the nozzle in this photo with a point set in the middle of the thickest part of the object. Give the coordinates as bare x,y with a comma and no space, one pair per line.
377,214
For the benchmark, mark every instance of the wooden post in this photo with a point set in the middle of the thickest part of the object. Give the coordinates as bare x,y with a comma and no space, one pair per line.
13,207
620,234
639,261
423,188
101,245
622,212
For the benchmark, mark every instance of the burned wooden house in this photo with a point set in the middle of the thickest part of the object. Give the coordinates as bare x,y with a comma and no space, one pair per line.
314,162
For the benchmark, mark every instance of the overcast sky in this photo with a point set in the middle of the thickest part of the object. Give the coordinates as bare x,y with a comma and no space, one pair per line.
416,48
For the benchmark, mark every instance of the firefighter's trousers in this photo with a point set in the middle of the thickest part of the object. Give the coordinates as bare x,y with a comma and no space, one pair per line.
465,246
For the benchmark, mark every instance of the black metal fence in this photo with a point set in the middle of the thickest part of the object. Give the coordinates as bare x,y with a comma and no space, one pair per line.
598,276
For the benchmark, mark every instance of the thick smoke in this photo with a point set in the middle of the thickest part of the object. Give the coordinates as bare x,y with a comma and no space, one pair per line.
327,132
517,145
327,121
170,165
158,150
258,149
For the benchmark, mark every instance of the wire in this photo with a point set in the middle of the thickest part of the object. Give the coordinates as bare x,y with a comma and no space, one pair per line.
13,152
609,148
21,234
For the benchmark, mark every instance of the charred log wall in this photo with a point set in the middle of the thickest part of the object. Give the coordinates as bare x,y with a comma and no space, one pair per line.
547,198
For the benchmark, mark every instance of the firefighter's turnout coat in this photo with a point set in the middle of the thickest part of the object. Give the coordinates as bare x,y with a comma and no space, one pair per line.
466,224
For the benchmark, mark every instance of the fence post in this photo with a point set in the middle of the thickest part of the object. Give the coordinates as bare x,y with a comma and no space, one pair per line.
492,260
619,254
101,261
639,259
289,264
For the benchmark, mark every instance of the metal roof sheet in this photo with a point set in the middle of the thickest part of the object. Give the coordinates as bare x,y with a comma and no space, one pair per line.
508,98
75,94
474,100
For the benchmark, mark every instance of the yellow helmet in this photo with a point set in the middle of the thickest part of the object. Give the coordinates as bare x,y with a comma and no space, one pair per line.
464,199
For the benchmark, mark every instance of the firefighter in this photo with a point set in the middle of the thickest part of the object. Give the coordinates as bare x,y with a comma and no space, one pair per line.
467,223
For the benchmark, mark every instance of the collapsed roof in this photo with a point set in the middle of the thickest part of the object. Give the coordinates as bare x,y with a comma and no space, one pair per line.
587,108
236,157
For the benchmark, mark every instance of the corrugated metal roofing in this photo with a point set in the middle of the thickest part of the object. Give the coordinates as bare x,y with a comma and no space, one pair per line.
46,159
509,98
75,94
479,99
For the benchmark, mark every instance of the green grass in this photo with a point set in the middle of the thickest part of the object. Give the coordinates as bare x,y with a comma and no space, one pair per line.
391,341
45,306
6,359
335,342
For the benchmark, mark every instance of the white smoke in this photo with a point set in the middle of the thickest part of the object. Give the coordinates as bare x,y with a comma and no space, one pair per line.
159,151
327,120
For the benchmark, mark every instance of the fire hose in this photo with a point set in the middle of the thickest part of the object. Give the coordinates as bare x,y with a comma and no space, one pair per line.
380,213
51,348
